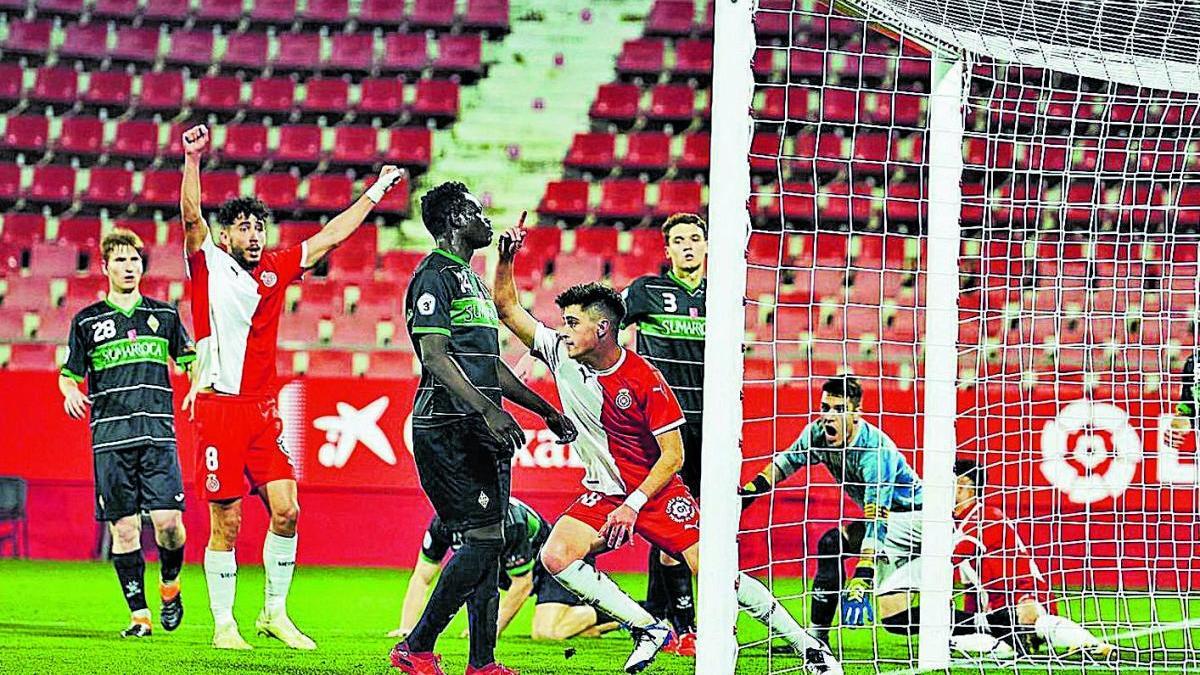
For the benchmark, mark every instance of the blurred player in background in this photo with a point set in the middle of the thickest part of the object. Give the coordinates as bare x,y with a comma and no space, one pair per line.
463,440
121,345
559,614
1186,408
877,477
238,292
629,442
668,310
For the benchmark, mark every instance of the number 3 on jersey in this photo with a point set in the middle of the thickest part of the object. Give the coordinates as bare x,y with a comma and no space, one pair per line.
669,302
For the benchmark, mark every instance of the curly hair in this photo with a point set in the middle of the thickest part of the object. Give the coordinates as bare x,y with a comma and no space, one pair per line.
683,219
242,206
594,296
440,205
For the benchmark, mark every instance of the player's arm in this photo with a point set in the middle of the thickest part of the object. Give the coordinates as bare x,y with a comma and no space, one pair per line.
516,317
618,528
344,224
514,598
435,356
518,392
787,463
424,572
75,402
879,473
637,303
195,228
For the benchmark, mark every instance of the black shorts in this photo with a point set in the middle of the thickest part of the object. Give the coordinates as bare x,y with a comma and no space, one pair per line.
693,440
465,473
137,479
549,591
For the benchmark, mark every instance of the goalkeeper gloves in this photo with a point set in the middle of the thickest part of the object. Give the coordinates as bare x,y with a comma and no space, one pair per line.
753,490
856,598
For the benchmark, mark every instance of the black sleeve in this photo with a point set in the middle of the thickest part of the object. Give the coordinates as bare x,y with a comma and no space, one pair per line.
638,302
183,350
436,542
429,298
75,365
1187,395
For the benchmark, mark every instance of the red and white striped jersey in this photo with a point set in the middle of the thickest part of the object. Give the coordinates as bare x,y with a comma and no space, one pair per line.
236,316
990,554
618,413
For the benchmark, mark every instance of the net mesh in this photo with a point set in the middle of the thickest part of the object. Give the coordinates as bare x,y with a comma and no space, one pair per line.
1078,294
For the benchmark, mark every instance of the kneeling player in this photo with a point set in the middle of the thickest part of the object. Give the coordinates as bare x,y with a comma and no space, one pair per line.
628,421
559,614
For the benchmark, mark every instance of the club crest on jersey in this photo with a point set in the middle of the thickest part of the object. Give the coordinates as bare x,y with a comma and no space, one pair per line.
681,509
211,483
624,399
153,323
269,279
426,304
483,500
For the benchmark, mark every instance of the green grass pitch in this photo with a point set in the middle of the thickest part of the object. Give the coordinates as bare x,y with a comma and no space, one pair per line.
64,618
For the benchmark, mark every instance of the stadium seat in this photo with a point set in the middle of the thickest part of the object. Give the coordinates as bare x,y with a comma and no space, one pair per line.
806,63
436,100
382,13
135,139
396,202
273,12
398,266
693,158
648,151
123,10
165,261
58,87
326,95
330,362
190,47
26,133
277,190
594,151
23,228
693,58
904,203
326,12
246,50
163,91
136,45
487,15
351,53
219,11
672,103
12,83
435,14
85,41
671,18
381,97
109,88
10,188
218,94
293,232
298,52
109,185
52,184
678,196
81,232
218,187
81,136
575,269
404,53
622,200
31,38
29,293
832,152
565,199
12,325
174,12
273,95
299,144
161,188
616,102
410,147
32,356
64,9
328,193
460,55
354,146
543,242
599,242
389,363
642,57
244,142
53,259
145,228
764,153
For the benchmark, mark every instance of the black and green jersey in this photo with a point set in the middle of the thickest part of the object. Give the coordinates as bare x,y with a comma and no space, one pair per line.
524,533
1189,396
669,316
446,296
124,355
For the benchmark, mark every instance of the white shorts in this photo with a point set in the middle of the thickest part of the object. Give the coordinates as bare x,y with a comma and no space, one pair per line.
900,569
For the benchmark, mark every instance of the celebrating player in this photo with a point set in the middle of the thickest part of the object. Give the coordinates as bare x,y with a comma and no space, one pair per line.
463,440
876,476
629,441
668,310
559,614
121,345
237,294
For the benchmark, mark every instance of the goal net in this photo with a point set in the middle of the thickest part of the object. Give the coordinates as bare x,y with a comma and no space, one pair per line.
986,212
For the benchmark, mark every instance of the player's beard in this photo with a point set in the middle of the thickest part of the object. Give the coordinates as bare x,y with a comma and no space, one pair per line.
239,254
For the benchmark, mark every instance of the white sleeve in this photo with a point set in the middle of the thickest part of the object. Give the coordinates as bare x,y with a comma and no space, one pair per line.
546,345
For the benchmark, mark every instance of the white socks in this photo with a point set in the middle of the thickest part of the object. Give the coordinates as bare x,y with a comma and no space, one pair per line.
220,571
1062,632
279,561
754,599
596,588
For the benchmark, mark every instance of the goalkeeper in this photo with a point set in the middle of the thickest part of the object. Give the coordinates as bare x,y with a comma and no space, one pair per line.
878,478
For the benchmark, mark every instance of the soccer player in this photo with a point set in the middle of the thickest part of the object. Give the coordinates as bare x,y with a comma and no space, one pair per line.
629,442
121,345
559,615
238,292
877,477
668,310
463,440
1186,408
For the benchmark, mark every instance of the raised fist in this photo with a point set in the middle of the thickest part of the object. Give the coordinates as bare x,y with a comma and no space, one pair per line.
389,176
195,140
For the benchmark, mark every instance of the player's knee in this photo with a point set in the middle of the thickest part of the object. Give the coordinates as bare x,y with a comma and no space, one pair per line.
283,519
898,623
557,557
226,524
127,532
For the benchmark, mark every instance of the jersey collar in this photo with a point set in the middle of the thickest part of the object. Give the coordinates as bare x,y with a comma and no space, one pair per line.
613,368
690,289
127,312
452,256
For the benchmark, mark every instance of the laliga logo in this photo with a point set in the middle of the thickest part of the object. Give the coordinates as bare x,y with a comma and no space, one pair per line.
1082,419
350,427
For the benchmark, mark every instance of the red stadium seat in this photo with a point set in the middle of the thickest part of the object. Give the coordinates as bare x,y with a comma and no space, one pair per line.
386,13
273,12
12,325
165,261
52,184
642,57
81,136
678,196
354,146
109,185
30,356
693,58
81,232
622,199
600,242
459,54
671,17
388,364
903,202
85,41
397,200
436,14
191,47
334,363
26,132
136,45
125,10
166,11
244,142
352,52
489,15
409,146
576,269
137,139
399,265
383,97
617,102
61,8
218,187
53,259
404,53
299,144
10,190
543,242
328,193
326,95
832,153
163,91
109,88
674,103
807,64
566,199
12,82
219,11
326,12
218,93
592,151
29,37
246,50
293,232
23,228
58,86
300,52
435,99
694,155
647,151
277,190
83,291
272,95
